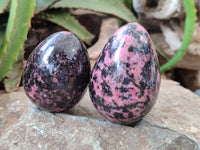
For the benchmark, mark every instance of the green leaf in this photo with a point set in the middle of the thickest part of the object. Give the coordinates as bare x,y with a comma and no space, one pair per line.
3,5
16,32
128,4
113,7
188,32
13,79
68,22
43,5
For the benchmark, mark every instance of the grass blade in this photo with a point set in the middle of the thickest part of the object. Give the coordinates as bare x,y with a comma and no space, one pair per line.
16,32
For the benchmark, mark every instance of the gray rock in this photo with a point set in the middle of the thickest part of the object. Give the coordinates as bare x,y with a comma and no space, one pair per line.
177,108
24,126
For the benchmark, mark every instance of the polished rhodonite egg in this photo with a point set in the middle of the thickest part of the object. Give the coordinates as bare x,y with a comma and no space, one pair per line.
57,72
125,79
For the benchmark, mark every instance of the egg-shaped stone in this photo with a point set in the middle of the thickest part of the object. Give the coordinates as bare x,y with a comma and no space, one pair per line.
125,79
57,72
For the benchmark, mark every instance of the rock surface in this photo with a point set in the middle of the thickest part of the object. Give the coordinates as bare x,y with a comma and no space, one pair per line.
172,124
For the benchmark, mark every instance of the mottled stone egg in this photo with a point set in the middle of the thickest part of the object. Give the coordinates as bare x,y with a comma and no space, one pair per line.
125,79
57,72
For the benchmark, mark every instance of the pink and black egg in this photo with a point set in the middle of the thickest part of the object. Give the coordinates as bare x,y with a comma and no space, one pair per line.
57,72
125,79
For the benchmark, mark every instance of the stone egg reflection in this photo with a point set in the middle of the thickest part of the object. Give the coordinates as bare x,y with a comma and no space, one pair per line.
125,79
57,72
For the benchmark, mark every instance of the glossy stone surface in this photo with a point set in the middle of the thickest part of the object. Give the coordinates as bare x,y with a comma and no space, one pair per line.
125,79
57,72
